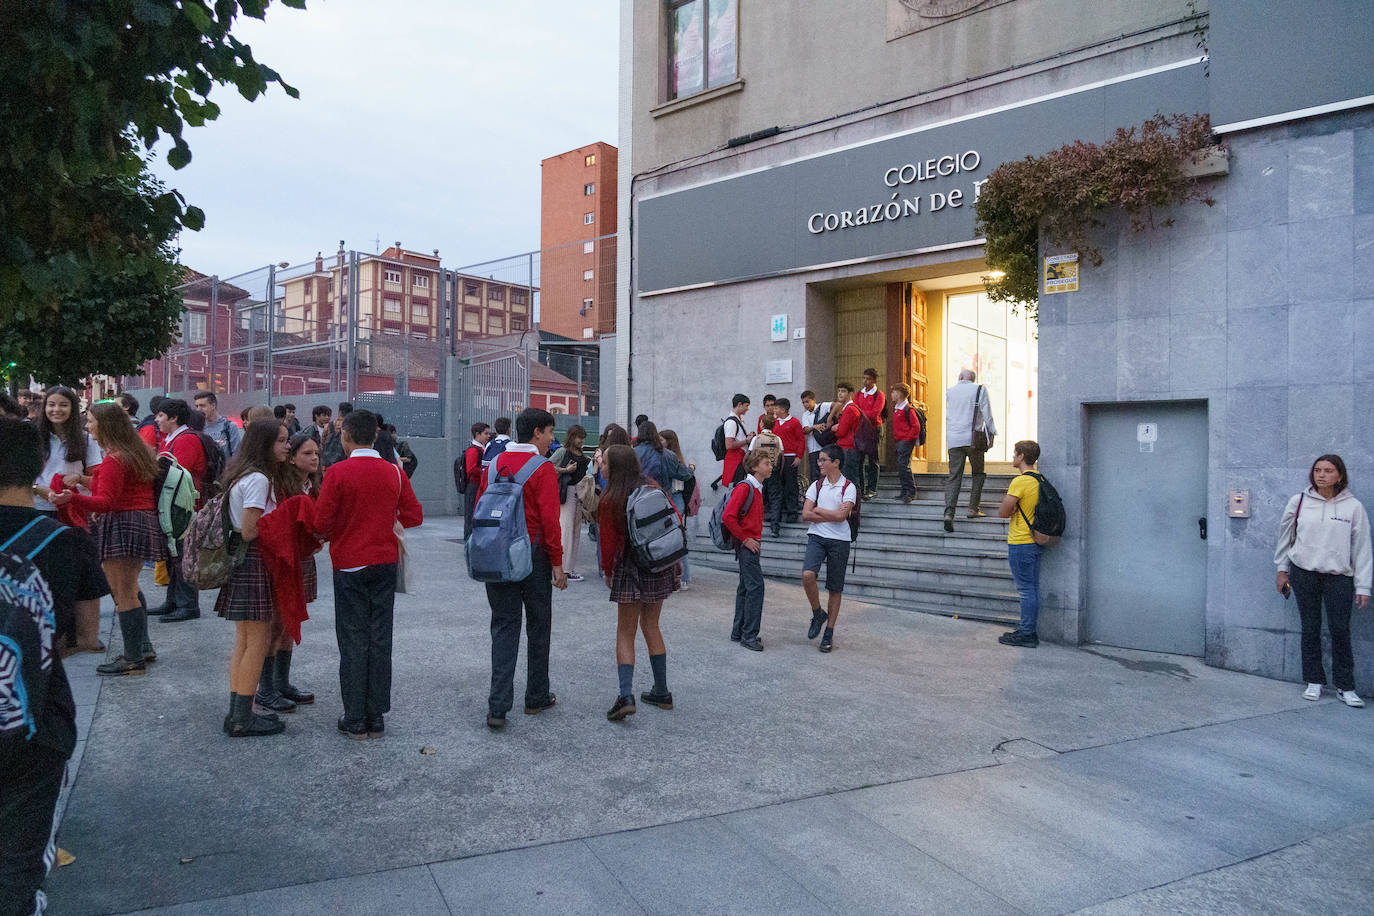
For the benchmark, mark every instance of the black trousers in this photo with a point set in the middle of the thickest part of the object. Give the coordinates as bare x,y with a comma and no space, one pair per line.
28,798
469,504
534,595
364,602
748,595
852,467
791,489
772,498
1313,589
181,595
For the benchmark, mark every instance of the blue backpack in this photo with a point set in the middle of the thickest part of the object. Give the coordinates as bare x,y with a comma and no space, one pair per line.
499,549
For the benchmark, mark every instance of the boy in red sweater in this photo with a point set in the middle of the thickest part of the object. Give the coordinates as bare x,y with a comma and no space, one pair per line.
172,417
871,401
845,428
906,431
360,502
789,429
534,593
472,468
748,530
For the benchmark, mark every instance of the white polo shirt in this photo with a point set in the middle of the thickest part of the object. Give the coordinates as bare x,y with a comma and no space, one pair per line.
830,496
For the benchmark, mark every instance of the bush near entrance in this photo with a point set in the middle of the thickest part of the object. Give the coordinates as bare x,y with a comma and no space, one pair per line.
1063,193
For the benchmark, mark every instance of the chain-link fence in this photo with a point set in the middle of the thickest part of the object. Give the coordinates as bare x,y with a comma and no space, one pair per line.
398,333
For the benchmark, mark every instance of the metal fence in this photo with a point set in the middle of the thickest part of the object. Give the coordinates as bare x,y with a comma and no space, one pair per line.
397,333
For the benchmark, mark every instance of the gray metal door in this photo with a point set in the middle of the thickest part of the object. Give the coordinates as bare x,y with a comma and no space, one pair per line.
1146,508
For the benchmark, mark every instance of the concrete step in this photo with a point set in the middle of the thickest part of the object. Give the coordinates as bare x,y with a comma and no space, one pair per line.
883,553
955,595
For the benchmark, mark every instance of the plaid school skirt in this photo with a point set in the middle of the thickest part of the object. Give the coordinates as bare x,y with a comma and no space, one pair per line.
134,533
248,593
311,577
631,584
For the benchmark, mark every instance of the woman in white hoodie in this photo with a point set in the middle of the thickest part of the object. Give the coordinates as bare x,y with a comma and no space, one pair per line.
1324,557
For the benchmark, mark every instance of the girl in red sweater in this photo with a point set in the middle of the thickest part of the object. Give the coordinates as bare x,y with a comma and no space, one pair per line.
275,690
126,527
638,593
253,483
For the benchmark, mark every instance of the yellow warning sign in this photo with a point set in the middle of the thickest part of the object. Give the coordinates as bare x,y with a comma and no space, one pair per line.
1061,273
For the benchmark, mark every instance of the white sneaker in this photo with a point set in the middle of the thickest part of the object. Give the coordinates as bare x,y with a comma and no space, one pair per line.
1313,692
1350,698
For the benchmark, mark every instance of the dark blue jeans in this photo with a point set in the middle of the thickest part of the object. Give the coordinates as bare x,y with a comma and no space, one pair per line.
534,596
1024,560
748,595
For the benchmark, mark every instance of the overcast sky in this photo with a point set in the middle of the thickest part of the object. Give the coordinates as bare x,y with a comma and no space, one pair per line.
419,120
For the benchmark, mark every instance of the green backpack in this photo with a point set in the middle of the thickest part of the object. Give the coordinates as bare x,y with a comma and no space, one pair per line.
176,499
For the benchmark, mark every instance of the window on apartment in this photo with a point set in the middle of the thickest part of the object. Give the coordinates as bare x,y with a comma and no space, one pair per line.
309,287
470,288
496,293
589,160
588,190
496,324
587,306
588,218
703,40
195,328
391,306
393,276
519,297
422,281
588,274
419,312
587,333
517,324
588,247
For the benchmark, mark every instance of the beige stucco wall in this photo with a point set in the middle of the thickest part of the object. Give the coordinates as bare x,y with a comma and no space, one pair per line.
802,61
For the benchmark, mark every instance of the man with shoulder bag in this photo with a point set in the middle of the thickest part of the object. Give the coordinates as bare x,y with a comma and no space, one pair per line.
969,434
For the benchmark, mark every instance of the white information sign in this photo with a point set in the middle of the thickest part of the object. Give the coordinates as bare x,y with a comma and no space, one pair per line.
777,371
779,327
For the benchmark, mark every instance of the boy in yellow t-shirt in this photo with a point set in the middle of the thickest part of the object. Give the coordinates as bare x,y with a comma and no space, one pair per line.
1023,554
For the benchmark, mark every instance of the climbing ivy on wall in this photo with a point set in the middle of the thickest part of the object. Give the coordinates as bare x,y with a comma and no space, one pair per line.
1065,194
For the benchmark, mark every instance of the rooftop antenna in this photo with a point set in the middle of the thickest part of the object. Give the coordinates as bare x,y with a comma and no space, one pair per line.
378,243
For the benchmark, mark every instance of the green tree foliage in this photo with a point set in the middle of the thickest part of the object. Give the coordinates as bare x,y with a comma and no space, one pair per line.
88,268
1064,192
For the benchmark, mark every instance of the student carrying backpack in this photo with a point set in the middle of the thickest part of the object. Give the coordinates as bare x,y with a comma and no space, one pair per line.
176,494
1049,521
720,535
499,548
657,535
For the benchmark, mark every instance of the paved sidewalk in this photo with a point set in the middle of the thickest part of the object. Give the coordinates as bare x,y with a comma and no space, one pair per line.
921,767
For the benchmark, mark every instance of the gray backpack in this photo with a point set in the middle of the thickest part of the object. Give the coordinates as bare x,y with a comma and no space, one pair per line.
499,549
656,534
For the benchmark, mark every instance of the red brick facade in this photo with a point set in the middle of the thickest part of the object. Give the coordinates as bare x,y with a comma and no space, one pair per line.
573,185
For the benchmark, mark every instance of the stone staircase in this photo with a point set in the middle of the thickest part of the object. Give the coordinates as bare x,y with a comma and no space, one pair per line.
903,557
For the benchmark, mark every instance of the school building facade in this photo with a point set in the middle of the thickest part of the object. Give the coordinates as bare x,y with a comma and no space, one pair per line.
796,204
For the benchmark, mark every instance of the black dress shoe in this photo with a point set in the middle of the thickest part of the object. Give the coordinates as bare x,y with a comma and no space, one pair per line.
353,728
753,645
624,706
122,667
661,700
534,709
495,722
1024,640
376,727
734,637
181,614
818,619
160,610
949,523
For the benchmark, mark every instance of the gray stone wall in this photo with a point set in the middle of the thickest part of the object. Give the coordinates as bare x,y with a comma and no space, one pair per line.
1264,306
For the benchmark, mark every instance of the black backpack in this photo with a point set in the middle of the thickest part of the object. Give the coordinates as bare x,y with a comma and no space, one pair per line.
214,465
920,418
460,470
27,633
718,442
1050,520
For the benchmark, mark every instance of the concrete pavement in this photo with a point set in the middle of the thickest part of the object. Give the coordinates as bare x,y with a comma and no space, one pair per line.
921,767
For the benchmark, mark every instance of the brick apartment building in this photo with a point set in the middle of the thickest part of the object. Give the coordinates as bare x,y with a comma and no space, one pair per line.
577,272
